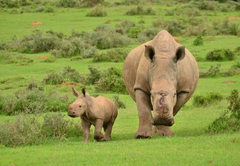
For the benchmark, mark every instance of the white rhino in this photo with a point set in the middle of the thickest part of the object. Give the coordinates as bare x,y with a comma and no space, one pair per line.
160,75
99,111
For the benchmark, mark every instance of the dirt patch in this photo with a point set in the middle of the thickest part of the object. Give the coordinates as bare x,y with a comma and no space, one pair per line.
69,84
36,23
233,17
42,57
176,39
228,82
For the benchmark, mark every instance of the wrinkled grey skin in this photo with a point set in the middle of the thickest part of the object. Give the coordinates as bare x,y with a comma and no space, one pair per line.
99,111
160,75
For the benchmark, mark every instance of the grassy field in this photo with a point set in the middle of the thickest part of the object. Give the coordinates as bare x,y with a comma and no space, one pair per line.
191,145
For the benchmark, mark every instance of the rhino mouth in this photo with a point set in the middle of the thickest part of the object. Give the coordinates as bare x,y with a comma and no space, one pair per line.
73,116
163,121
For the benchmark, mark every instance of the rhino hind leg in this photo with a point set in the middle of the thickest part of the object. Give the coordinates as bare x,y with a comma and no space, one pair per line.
108,130
161,130
98,136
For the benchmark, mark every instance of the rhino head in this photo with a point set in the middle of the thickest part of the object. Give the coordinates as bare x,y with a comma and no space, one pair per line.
163,76
80,106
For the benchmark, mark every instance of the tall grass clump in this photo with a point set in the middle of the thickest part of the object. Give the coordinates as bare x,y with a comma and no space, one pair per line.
229,121
213,71
7,57
33,100
65,75
208,99
220,55
112,55
105,37
139,10
97,11
30,129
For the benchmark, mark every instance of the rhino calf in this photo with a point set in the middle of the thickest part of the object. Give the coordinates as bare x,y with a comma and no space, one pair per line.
99,111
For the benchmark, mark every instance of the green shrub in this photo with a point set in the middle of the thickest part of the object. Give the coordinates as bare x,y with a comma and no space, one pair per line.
234,70
147,34
33,100
97,11
67,74
220,55
134,31
108,38
118,102
210,98
15,58
112,55
24,130
111,80
125,26
94,76
139,10
213,71
198,41
229,121
74,46
54,125
29,129
67,3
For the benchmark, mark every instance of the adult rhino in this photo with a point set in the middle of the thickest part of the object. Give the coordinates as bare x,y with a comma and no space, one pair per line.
160,75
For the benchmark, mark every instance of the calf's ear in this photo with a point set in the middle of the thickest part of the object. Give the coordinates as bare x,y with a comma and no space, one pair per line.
84,92
180,53
75,92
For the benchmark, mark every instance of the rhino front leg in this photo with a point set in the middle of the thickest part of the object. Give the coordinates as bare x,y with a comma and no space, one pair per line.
144,115
86,130
98,136
162,130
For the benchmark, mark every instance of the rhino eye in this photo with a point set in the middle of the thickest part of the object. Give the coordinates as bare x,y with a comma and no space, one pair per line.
80,106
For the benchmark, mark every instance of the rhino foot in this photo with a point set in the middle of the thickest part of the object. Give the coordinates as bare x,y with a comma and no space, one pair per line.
139,135
163,130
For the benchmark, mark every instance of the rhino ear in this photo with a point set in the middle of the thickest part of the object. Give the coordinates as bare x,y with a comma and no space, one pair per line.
84,92
180,53
149,52
75,92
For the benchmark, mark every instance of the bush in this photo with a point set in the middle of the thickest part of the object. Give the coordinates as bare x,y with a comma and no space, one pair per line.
229,121
220,55
147,34
198,41
16,58
234,70
140,11
118,102
125,26
111,80
94,76
74,46
112,55
213,71
210,98
97,11
67,74
134,31
106,37
33,100
31,130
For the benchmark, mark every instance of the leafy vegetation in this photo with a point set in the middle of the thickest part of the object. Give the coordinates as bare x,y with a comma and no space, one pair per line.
229,120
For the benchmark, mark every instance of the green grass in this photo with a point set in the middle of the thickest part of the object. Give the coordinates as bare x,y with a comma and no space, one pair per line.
190,145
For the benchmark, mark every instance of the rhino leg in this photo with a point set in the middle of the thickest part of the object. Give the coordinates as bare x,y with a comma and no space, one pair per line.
108,130
98,136
162,130
144,115
86,130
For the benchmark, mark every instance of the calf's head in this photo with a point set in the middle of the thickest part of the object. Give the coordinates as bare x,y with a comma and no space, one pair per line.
163,76
80,106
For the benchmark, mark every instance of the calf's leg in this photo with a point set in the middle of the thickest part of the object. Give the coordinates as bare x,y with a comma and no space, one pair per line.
86,130
98,136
